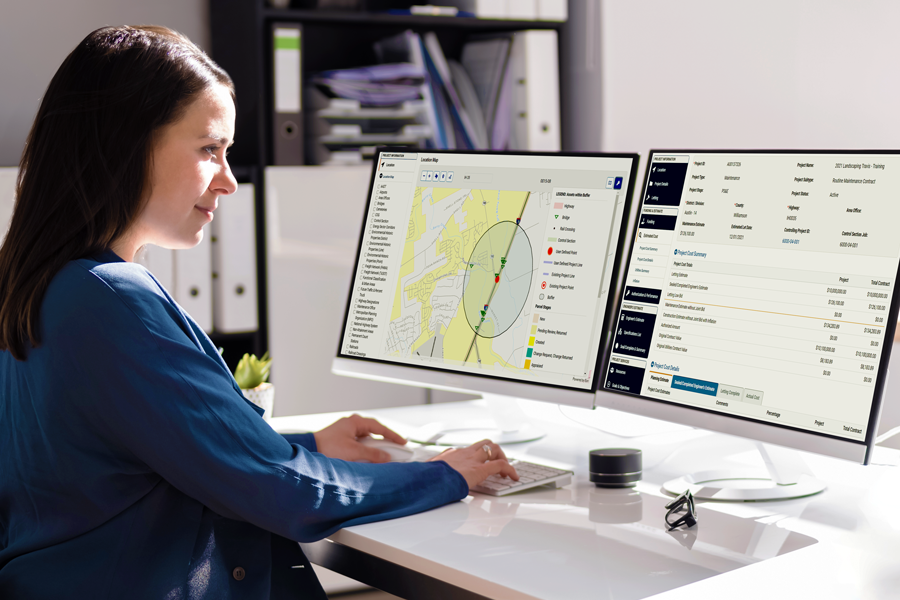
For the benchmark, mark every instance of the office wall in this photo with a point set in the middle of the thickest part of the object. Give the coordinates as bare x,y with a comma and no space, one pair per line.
36,35
762,74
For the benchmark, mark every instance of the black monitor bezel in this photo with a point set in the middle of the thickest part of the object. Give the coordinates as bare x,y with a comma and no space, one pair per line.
610,301
878,392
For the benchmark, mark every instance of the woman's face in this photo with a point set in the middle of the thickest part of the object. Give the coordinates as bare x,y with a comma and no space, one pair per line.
188,173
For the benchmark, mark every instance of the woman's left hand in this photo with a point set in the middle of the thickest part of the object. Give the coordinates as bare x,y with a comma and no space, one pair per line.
341,439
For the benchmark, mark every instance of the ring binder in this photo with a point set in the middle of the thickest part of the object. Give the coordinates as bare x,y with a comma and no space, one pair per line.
287,121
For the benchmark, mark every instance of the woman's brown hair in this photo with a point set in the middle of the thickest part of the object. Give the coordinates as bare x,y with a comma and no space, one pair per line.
85,166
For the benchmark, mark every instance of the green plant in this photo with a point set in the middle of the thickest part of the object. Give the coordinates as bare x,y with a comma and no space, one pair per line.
252,371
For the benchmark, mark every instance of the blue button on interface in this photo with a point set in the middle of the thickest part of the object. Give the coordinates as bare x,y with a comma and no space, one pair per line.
695,385
618,183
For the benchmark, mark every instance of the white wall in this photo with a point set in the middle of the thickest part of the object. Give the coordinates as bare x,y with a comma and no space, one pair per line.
762,74
36,35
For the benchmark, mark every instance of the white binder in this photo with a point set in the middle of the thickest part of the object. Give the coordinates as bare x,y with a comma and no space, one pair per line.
524,10
193,281
234,263
161,262
490,9
535,103
7,197
552,10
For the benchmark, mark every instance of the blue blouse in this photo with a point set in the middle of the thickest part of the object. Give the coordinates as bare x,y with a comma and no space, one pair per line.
132,467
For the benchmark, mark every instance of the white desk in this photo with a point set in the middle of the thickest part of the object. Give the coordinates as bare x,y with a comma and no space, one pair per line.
552,543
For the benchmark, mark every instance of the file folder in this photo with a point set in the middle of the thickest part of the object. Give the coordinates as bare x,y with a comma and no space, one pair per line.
487,61
287,117
193,281
439,70
491,9
552,10
234,263
524,10
7,197
535,102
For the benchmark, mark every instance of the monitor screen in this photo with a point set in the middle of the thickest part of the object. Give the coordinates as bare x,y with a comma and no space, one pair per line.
760,286
494,266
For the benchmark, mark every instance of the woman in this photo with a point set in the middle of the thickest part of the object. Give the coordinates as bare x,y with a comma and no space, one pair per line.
130,464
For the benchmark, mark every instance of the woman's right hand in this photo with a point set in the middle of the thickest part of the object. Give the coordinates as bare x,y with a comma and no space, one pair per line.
476,464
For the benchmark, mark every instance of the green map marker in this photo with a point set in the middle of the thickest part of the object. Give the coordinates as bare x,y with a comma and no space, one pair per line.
555,216
482,313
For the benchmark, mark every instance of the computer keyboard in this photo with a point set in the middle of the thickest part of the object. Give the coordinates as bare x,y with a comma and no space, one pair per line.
530,475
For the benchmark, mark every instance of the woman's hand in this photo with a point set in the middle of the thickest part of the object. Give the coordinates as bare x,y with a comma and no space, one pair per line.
341,439
475,464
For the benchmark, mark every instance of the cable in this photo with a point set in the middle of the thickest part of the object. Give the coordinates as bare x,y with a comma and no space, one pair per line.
887,435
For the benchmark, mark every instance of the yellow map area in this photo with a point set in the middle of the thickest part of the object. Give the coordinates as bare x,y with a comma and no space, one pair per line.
444,227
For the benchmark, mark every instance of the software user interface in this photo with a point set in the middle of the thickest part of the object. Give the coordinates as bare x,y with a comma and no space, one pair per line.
491,264
760,284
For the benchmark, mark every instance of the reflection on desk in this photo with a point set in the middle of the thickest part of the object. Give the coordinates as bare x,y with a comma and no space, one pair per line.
574,533
583,542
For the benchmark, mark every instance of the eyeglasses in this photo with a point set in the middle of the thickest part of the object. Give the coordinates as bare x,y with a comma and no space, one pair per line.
682,510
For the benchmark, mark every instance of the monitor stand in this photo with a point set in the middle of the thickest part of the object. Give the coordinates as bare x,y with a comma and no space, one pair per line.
507,424
785,477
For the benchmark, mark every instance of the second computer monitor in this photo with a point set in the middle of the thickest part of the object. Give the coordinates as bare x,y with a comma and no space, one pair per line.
759,296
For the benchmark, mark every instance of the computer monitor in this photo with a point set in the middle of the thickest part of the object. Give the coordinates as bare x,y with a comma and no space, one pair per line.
758,297
487,272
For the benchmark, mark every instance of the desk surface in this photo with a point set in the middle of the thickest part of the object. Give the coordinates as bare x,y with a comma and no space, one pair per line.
583,542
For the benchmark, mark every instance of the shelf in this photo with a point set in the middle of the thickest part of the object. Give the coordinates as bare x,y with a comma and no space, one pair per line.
411,21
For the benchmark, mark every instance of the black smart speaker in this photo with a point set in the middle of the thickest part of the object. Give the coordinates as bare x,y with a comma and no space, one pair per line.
615,467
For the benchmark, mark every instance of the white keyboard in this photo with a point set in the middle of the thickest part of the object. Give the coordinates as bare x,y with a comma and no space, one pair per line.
530,476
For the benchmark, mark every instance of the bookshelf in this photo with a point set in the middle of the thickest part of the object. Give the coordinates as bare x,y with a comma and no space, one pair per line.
241,43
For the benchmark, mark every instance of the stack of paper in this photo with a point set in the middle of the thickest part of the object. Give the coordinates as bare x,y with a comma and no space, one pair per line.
352,111
344,131
376,85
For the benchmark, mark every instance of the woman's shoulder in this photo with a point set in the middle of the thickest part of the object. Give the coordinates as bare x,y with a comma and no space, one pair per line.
101,277
97,284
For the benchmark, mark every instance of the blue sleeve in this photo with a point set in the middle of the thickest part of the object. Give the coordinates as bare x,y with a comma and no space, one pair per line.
307,440
175,409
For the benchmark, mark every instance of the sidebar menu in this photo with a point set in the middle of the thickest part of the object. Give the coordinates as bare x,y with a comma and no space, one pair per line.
660,211
382,246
